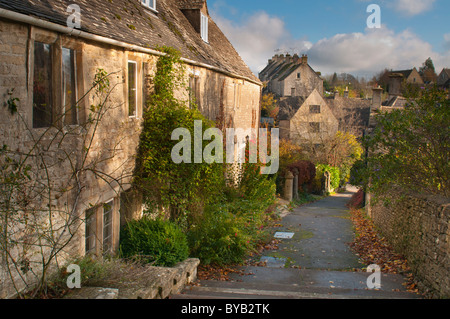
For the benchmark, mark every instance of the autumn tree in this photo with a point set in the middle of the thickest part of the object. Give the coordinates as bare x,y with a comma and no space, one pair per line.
428,72
269,105
410,147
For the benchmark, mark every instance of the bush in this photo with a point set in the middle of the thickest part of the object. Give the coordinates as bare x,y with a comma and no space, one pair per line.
154,241
306,175
219,238
410,147
320,171
231,227
357,200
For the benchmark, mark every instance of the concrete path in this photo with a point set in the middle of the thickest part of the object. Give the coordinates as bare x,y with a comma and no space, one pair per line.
313,261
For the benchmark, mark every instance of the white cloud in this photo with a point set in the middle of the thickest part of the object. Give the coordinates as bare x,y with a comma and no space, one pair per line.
372,51
406,7
362,53
259,37
413,7
447,42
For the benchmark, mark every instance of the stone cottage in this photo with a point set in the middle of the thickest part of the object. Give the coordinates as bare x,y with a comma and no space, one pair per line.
444,78
74,78
291,76
306,116
411,76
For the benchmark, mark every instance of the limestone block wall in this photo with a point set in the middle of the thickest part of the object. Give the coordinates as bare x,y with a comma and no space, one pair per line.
418,227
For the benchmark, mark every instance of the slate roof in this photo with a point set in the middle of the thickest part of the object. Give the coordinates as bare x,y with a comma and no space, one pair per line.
191,4
396,101
130,22
351,113
289,106
406,73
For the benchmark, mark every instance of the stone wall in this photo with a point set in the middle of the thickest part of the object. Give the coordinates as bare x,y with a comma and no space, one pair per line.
418,227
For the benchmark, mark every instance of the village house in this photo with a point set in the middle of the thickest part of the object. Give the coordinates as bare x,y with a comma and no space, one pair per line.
410,76
306,116
291,76
83,141
444,79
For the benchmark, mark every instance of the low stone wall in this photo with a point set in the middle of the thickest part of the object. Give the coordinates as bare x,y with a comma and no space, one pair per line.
152,283
417,226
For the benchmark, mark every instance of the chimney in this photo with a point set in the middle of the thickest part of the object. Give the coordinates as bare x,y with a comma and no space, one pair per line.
304,59
336,94
395,84
376,98
346,92
296,58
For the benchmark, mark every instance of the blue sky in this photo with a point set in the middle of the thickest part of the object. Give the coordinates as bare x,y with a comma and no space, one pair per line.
334,33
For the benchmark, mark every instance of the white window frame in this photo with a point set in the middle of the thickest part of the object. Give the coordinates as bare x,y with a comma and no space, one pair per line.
136,90
148,4
204,22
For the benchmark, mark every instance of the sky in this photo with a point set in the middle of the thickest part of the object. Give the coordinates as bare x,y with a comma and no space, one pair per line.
335,33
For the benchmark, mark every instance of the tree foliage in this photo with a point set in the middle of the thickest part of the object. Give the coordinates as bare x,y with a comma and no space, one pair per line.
410,147
180,187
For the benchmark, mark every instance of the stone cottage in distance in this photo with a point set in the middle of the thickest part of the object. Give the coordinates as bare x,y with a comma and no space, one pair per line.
48,70
306,116
288,75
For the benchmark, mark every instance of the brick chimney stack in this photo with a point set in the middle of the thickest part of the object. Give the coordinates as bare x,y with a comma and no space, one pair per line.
376,98
395,84
304,59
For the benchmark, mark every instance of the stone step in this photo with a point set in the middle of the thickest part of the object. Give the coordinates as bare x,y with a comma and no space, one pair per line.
245,290
287,283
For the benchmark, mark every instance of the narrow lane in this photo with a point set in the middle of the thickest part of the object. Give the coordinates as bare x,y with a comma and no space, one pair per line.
313,261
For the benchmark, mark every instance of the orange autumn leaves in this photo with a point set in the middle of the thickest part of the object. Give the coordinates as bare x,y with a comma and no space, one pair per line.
372,248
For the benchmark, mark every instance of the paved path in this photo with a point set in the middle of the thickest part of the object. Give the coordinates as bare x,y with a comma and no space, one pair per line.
315,263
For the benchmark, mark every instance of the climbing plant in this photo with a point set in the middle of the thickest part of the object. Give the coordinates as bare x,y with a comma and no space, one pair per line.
180,188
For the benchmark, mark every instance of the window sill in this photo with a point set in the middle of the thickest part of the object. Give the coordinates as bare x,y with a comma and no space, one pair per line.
150,9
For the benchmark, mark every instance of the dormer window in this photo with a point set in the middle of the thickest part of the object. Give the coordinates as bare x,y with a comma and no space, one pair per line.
151,4
204,27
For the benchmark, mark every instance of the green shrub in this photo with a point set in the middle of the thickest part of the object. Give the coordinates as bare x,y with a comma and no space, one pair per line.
318,181
154,241
219,238
231,227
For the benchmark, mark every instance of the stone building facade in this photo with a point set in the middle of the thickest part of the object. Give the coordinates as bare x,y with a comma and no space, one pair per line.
291,76
82,142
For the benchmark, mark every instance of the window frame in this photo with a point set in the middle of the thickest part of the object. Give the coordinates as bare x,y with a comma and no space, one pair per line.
135,116
75,75
97,241
57,44
108,239
315,109
204,27
51,84
146,3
